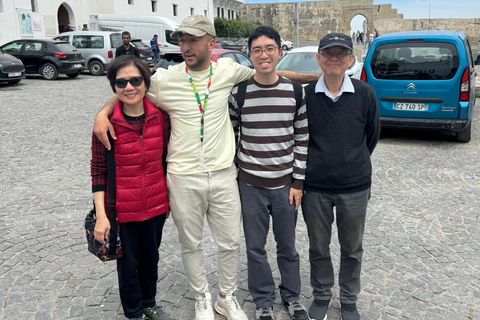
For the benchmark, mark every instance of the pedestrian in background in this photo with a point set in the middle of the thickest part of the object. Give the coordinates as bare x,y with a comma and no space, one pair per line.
143,132
155,49
126,48
344,128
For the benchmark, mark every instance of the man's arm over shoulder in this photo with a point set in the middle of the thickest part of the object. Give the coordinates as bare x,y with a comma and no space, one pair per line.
237,71
299,77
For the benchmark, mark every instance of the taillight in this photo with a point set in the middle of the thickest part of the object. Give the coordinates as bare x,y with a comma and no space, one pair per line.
465,85
141,50
364,75
110,54
60,55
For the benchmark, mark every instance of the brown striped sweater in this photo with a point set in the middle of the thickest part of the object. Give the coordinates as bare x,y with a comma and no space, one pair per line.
273,138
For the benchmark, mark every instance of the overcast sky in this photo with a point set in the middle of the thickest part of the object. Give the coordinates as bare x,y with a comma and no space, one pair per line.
418,9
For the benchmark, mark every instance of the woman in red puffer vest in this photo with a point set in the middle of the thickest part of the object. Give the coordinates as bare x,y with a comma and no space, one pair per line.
142,132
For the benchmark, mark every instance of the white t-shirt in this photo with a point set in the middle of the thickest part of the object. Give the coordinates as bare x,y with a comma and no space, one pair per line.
171,91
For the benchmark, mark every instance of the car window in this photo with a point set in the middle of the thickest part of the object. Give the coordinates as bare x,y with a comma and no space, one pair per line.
304,62
61,38
244,60
116,40
228,55
415,61
170,39
88,42
14,47
33,46
65,47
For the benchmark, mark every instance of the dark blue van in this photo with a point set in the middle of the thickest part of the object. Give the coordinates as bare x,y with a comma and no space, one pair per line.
423,80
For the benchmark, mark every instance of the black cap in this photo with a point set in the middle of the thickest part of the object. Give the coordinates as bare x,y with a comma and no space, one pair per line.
335,39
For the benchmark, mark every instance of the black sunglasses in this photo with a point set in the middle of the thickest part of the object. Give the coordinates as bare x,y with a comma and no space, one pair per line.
122,83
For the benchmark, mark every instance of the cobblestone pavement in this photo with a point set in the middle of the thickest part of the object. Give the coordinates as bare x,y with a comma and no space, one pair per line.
422,251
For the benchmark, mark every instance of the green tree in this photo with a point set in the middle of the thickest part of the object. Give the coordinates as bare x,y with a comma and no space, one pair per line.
234,28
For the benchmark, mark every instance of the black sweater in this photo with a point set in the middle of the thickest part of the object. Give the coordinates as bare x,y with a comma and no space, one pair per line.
343,135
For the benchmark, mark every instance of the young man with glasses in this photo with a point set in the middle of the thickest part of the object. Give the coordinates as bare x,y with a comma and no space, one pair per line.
272,153
344,130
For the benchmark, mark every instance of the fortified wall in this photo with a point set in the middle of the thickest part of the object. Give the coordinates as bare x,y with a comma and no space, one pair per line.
321,17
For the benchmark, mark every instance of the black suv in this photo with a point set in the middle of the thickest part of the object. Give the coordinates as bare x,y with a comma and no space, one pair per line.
46,57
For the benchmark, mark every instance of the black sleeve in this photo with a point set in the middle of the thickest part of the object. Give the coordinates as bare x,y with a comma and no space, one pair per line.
117,52
136,51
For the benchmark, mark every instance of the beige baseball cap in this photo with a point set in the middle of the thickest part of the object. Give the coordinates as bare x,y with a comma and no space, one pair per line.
196,25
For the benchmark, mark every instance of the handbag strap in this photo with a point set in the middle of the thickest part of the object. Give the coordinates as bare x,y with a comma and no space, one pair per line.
112,185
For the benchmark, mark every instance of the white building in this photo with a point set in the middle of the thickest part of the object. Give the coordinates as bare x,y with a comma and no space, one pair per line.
48,18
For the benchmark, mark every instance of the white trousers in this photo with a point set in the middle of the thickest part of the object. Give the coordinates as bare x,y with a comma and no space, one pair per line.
214,195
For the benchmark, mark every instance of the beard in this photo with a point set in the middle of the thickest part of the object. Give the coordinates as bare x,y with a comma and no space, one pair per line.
201,60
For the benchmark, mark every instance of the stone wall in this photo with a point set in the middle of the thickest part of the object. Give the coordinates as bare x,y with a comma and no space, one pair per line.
321,17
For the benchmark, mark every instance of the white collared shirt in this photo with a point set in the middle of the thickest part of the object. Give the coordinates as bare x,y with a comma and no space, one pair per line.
347,86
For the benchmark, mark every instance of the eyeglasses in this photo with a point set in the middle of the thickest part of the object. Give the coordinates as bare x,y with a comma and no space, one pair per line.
339,55
257,52
122,83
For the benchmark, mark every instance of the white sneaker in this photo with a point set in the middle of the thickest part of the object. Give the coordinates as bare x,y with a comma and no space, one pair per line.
230,308
203,307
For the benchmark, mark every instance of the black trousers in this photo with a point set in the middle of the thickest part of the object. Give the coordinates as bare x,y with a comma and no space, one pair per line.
138,267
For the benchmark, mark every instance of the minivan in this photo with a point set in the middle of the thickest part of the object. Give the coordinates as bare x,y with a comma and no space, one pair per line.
423,80
98,47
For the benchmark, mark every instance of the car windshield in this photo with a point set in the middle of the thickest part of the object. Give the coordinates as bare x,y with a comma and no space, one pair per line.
415,61
304,62
140,44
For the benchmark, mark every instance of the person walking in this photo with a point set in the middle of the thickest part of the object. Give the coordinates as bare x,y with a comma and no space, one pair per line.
344,129
155,49
126,48
273,132
143,133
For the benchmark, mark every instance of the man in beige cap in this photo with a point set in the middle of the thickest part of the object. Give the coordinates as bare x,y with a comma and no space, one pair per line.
201,175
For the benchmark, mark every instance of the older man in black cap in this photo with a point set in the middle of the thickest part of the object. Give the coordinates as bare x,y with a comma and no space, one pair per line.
344,129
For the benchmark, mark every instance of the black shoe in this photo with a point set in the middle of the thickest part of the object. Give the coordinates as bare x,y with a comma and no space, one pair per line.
155,313
349,312
296,309
318,309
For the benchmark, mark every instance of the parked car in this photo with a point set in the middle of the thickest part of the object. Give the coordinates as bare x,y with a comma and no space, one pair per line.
175,57
98,47
285,44
304,60
239,45
423,80
11,68
46,57
146,53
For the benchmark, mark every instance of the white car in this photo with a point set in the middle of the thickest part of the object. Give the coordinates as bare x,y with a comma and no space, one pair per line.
303,60
286,45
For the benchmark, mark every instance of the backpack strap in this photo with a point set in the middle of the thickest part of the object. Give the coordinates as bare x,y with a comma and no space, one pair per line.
297,91
242,89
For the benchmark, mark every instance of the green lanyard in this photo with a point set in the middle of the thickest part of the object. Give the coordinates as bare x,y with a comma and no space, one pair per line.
202,109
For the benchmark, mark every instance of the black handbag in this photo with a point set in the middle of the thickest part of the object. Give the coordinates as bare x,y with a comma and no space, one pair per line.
112,248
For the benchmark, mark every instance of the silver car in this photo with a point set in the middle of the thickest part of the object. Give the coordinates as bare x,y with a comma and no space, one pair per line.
98,47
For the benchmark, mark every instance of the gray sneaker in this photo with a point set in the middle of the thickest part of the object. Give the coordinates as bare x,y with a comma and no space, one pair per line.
297,310
155,313
264,314
318,309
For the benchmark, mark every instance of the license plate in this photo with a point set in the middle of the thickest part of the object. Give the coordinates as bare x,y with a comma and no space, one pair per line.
149,58
411,106
14,74
77,65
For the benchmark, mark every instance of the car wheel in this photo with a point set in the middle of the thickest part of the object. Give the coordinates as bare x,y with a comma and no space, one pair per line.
49,71
466,134
96,68
73,75
284,47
